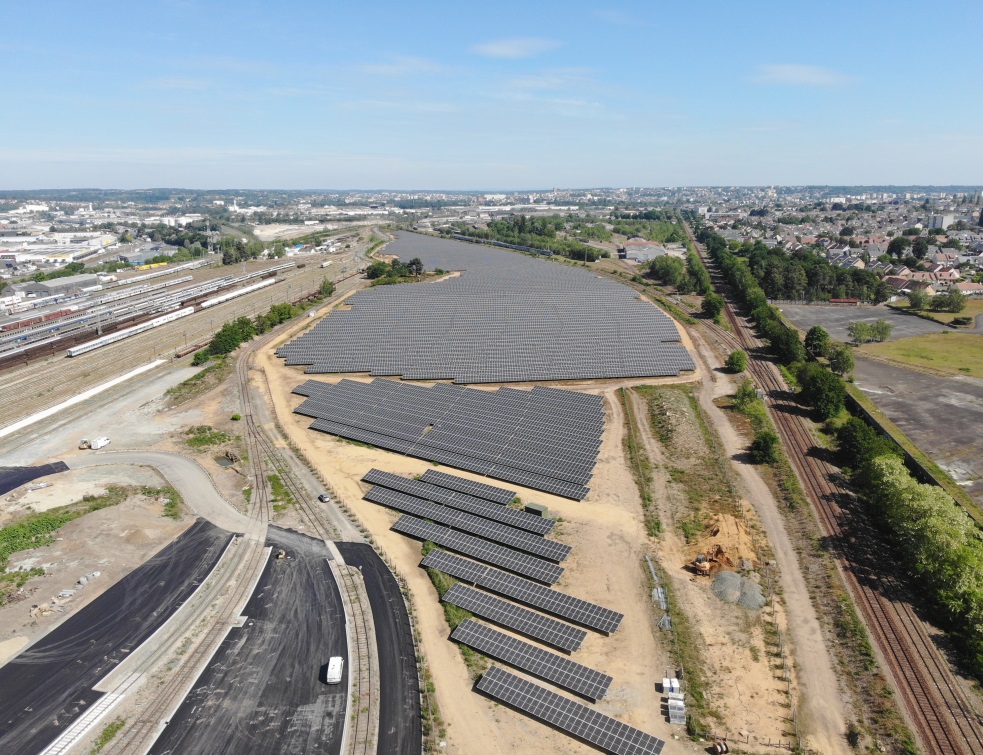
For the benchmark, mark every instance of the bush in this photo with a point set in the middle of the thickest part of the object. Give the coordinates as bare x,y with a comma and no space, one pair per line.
746,395
236,417
764,447
200,357
737,361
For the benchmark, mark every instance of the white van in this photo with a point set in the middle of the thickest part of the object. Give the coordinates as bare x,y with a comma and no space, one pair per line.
335,666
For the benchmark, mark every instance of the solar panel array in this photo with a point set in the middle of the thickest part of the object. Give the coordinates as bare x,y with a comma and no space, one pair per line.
427,492
553,668
509,317
546,599
520,563
475,525
463,485
570,716
522,620
545,438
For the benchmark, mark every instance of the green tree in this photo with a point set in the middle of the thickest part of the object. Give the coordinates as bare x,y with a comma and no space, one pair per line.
860,332
713,305
377,270
899,246
917,299
817,340
668,270
954,301
822,390
764,447
786,345
737,361
326,288
840,359
881,330
920,248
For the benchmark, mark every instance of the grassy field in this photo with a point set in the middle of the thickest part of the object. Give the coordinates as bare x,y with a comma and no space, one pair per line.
973,308
958,353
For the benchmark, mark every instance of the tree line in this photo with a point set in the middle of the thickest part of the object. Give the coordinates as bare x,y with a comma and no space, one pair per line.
942,544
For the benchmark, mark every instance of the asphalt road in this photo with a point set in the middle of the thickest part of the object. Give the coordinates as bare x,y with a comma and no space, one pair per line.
836,319
399,706
942,416
45,688
263,691
190,480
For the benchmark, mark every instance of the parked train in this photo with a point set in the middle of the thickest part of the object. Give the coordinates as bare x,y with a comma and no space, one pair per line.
121,335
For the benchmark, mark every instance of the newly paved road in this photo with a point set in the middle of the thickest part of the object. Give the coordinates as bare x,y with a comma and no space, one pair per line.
264,690
399,706
941,415
190,480
48,686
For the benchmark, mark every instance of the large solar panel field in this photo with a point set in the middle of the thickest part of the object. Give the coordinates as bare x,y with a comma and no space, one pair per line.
507,317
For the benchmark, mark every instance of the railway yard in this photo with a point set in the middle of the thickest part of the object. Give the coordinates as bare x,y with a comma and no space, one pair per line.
492,494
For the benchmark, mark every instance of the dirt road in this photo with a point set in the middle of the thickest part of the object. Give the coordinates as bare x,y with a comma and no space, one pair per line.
822,715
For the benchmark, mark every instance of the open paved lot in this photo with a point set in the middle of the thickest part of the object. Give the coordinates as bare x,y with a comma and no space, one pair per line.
836,319
48,686
399,706
264,690
942,416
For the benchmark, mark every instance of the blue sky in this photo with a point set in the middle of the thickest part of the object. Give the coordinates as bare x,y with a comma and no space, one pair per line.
298,94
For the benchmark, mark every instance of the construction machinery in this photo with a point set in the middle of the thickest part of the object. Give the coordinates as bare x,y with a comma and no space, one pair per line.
711,561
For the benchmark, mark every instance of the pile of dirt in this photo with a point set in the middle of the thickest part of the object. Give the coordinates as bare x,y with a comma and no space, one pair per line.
731,587
731,534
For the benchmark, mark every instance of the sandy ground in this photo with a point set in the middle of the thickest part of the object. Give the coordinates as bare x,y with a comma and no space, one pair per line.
821,701
741,683
111,541
608,522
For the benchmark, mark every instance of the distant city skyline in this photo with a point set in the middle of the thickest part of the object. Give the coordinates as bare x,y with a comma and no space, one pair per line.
306,95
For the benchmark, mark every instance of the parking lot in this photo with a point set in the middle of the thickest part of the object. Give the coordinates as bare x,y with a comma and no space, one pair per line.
835,319
942,416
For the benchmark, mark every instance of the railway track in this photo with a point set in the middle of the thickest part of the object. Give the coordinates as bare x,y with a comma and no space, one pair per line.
31,388
247,564
936,705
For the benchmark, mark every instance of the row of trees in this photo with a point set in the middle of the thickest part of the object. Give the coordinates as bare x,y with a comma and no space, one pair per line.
803,274
535,233
394,271
941,544
865,332
233,334
686,277
820,388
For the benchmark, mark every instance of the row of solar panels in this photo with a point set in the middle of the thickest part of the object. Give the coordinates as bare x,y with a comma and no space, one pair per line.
503,534
462,501
546,450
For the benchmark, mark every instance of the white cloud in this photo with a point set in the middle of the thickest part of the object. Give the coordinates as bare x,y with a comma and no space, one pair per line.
403,106
794,74
516,47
